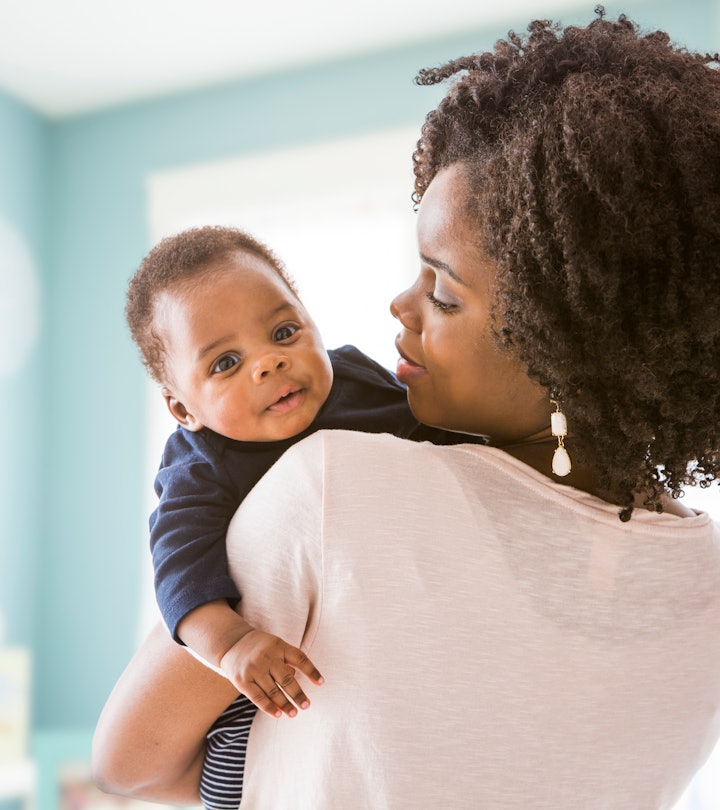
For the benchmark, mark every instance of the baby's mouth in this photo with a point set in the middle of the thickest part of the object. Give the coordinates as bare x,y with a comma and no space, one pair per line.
287,401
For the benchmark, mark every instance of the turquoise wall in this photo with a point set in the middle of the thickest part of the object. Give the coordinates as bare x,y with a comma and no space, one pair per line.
71,525
23,178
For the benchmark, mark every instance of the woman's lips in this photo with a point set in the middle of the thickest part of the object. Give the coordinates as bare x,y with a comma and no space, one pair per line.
409,372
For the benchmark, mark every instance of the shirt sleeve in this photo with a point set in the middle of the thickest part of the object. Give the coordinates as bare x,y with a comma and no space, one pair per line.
187,529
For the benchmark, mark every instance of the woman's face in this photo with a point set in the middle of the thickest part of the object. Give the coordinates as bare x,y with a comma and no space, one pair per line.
457,376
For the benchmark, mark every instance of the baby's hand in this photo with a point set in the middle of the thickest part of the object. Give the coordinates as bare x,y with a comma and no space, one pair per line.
263,668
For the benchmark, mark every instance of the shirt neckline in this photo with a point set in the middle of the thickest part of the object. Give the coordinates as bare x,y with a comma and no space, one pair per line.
583,502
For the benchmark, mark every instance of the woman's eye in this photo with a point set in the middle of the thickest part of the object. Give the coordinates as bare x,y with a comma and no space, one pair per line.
284,333
226,362
443,306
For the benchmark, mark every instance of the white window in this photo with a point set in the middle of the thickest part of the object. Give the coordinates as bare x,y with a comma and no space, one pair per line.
339,215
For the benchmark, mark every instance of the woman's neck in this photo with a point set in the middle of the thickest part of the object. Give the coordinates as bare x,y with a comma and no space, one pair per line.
537,451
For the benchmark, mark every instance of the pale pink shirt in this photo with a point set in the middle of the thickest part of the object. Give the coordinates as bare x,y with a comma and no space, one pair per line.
489,638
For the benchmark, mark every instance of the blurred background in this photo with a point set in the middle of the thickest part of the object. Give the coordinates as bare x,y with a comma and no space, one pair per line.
121,123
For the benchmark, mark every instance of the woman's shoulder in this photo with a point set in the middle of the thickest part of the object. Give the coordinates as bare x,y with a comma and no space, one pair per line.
343,442
370,461
354,453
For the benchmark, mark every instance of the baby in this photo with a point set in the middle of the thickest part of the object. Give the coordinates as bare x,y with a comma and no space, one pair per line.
243,370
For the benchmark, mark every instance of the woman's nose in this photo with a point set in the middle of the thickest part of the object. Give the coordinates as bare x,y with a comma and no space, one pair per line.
269,364
402,308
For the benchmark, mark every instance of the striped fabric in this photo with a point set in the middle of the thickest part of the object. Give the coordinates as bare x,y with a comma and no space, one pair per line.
221,782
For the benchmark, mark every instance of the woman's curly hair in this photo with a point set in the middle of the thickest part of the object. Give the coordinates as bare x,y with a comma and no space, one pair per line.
187,257
593,159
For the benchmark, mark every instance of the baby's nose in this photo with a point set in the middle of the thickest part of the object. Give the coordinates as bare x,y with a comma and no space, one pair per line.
268,364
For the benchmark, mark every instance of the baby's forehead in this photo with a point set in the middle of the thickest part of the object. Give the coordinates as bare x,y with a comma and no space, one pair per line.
255,286
238,269
241,267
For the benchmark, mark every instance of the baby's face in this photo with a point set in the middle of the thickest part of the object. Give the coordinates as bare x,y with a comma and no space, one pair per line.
243,357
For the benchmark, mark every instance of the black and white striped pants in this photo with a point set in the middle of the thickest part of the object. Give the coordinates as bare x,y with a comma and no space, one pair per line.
221,782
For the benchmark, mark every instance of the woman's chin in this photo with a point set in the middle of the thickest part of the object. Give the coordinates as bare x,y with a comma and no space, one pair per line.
425,412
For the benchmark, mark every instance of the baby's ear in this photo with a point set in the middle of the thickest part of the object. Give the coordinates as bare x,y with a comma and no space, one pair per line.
180,412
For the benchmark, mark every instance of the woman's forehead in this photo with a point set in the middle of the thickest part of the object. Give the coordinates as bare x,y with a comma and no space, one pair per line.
443,207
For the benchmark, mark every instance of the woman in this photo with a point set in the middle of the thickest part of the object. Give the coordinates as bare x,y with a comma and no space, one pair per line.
530,624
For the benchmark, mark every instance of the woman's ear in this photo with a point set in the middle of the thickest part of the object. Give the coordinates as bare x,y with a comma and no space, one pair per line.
180,412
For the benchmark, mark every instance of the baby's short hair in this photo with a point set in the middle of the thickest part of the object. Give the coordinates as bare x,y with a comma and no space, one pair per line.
176,259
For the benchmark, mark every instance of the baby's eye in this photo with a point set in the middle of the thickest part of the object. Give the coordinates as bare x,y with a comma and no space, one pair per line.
284,332
226,362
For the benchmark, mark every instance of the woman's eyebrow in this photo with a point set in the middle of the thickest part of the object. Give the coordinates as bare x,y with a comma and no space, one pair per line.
445,268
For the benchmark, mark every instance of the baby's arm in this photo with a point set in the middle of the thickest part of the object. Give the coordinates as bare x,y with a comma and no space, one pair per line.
258,664
200,484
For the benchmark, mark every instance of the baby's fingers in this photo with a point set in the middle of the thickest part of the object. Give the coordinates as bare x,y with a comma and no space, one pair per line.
271,700
297,658
288,685
281,689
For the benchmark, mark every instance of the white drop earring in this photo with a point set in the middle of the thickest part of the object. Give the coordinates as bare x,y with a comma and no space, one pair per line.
561,464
